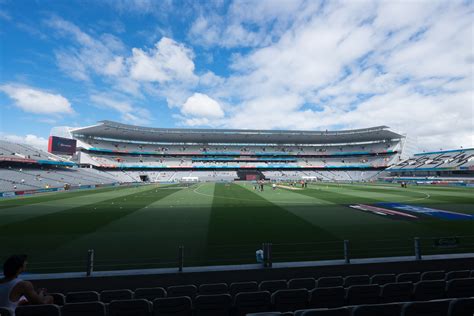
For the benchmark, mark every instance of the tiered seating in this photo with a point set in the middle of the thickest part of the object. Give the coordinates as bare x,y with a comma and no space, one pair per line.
17,179
462,159
128,161
8,149
356,295
347,162
176,149
27,168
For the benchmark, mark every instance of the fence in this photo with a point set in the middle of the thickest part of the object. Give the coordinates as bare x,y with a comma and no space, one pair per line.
270,253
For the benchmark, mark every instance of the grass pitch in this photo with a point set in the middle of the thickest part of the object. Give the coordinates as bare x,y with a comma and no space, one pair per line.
217,223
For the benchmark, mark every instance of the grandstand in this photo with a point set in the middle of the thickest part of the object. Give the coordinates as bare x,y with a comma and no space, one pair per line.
24,169
112,153
440,167
223,155
184,241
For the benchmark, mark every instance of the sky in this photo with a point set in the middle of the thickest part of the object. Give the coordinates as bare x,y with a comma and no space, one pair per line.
262,64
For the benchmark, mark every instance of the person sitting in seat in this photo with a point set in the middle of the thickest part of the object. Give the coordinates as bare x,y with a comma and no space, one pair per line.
14,291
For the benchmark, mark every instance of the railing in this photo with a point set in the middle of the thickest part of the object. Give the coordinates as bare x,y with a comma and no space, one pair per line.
267,254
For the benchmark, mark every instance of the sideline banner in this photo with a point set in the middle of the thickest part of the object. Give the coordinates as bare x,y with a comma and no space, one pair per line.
428,211
382,211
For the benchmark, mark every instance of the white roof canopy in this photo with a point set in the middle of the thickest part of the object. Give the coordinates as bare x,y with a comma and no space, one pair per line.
119,131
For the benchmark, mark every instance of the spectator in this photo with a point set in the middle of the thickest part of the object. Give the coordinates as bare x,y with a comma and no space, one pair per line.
14,291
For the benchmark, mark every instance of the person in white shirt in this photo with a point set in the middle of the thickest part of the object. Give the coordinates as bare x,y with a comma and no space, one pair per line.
15,291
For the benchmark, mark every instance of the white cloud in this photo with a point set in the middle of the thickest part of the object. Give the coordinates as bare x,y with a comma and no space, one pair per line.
305,65
37,101
29,139
408,65
247,23
88,55
114,67
202,106
167,61
103,58
210,79
196,121
129,113
106,101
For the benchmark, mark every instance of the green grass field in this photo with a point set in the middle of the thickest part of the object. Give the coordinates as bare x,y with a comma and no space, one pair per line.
142,227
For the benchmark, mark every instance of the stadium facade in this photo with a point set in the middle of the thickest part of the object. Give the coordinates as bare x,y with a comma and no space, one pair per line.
437,167
162,154
111,153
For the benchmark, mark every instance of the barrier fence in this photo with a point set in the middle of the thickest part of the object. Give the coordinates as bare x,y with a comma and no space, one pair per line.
267,254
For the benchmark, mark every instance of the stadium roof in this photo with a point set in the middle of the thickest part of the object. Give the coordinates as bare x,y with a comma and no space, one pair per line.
119,131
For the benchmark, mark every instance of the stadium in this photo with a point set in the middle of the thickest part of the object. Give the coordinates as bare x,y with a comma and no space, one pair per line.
236,158
213,208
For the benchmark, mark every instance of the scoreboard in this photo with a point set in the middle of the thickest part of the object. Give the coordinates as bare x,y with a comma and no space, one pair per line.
61,146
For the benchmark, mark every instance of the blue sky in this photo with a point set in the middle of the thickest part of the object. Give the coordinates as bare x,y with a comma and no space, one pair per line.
276,64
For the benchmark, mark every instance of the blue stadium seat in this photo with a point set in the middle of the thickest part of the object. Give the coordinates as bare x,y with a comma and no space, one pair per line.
458,288
149,293
182,290
82,297
213,288
213,305
429,290
432,308
173,306
240,287
412,277
327,297
330,281
356,280
433,275
391,309
80,309
382,279
290,300
362,294
461,307
460,274
108,296
273,285
140,307
38,310
302,283
396,292
252,302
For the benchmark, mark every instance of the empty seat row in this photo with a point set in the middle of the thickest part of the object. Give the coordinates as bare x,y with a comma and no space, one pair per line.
218,305
332,297
270,285
390,292
380,279
456,307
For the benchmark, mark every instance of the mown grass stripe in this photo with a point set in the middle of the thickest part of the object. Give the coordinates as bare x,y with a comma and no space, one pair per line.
54,196
44,233
235,223
28,211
